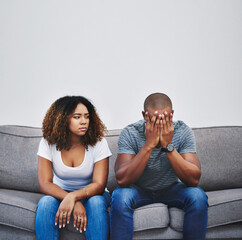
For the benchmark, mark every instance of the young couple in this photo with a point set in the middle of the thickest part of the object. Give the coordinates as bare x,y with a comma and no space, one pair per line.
156,162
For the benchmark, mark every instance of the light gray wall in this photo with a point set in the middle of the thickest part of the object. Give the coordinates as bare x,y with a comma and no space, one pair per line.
116,53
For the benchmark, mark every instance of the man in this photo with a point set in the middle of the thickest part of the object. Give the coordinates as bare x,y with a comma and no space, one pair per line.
157,162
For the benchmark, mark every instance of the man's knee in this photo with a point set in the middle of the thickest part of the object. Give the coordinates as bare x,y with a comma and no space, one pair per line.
122,198
197,198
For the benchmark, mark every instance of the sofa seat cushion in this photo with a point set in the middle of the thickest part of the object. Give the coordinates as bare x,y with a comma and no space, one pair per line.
224,208
17,208
151,216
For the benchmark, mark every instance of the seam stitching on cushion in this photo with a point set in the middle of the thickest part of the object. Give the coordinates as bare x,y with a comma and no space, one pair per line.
163,226
12,205
148,207
217,204
216,127
15,135
14,226
227,223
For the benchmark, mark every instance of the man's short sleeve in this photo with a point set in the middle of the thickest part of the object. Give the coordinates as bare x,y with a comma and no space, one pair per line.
125,144
188,144
44,150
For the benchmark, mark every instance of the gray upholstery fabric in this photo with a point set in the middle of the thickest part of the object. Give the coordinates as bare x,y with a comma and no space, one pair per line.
11,233
158,233
17,208
219,150
21,130
224,208
217,164
220,153
151,216
112,139
232,231
18,159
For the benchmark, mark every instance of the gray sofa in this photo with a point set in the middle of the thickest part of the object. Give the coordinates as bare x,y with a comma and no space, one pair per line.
219,150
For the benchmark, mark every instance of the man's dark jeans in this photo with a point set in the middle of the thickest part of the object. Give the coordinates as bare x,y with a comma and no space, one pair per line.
192,200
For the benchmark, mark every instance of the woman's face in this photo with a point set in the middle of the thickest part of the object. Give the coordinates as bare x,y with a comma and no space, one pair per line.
79,120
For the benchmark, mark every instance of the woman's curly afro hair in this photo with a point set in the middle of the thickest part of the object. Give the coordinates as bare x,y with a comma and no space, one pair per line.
56,123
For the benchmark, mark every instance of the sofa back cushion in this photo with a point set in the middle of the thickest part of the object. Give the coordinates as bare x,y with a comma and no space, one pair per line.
18,159
220,152
112,139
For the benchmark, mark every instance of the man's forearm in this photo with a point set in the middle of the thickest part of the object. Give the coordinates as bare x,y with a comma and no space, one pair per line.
127,172
187,171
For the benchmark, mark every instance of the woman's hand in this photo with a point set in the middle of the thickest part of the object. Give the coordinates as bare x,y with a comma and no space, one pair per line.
80,218
64,211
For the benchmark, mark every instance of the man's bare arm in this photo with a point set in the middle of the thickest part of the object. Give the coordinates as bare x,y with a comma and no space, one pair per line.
129,167
186,166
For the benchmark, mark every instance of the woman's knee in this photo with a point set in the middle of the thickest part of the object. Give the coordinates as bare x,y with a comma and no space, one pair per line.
97,203
48,203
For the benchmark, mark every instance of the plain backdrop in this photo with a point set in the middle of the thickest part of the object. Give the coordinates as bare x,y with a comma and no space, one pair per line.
116,53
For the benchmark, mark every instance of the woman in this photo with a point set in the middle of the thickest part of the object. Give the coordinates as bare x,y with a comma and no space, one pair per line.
73,170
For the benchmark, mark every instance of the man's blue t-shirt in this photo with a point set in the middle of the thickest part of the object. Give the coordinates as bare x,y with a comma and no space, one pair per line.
158,173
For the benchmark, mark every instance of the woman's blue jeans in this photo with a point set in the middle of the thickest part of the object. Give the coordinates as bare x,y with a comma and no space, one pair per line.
97,217
192,200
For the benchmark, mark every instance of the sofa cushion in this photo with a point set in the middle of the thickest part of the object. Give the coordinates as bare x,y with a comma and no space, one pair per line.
10,233
18,211
220,153
112,139
17,208
18,159
224,208
151,216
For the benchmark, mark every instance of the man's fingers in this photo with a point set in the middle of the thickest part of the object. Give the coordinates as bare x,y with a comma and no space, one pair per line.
161,125
168,122
157,123
147,118
154,118
171,121
171,117
163,118
167,116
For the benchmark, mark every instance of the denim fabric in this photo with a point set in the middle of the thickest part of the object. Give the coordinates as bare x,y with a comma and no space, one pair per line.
97,217
192,200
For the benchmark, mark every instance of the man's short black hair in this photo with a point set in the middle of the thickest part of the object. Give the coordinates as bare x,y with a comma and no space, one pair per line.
157,101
